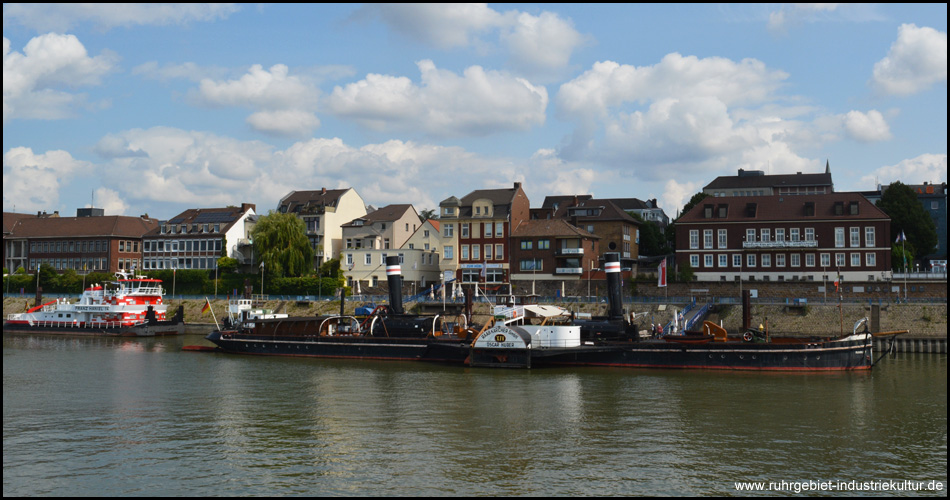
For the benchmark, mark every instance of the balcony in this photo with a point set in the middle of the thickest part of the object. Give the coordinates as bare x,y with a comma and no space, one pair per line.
568,251
569,270
779,244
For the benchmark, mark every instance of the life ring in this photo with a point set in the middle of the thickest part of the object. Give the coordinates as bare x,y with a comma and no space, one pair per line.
747,336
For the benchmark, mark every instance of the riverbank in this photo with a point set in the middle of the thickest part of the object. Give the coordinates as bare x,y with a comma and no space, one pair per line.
922,320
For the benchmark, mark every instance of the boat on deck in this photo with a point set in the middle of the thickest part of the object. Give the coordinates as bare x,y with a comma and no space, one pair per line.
130,306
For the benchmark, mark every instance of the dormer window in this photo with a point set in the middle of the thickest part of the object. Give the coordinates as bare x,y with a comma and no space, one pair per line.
853,208
750,209
839,208
723,211
707,211
809,209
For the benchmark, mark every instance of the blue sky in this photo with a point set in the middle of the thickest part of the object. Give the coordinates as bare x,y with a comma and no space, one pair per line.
155,108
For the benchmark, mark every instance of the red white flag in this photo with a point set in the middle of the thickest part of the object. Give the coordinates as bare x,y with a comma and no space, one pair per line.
661,274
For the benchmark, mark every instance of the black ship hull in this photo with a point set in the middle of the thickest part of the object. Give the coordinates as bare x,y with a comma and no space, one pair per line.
342,347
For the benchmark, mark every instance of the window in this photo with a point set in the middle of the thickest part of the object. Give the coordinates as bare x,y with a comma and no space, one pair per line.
765,234
736,260
723,260
825,259
488,252
476,252
693,239
463,252
766,260
840,260
707,260
368,259
487,229
809,234
526,244
349,259
796,260
448,230
750,234
447,253
870,259
855,260
750,260
855,237
780,260
530,264
794,234
707,238
544,244
839,237
869,236
780,235
499,229
463,230
722,238
694,261
810,260
499,252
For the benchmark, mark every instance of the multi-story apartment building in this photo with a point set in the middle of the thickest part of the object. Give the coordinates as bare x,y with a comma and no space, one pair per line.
785,238
618,231
552,249
89,242
933,197
386,228
324,212
476,232
197,237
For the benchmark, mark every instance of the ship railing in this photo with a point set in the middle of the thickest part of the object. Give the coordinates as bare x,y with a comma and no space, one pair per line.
64,324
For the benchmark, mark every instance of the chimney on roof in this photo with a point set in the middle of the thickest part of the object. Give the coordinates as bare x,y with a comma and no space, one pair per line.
323,190
517,186
246,206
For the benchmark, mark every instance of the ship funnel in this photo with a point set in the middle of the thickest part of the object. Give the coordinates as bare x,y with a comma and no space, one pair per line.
394,277
614,296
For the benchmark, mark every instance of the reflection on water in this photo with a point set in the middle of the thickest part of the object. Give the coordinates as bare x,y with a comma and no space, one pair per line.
109,416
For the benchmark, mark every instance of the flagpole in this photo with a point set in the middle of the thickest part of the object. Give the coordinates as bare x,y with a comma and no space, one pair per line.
904,257
212,314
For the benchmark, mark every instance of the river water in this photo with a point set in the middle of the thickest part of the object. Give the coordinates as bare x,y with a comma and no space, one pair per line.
141,417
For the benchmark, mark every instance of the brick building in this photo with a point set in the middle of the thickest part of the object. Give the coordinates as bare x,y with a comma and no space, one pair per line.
89,242
552,249
785,238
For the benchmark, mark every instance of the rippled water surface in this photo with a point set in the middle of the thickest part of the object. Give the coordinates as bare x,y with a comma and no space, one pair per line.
128,417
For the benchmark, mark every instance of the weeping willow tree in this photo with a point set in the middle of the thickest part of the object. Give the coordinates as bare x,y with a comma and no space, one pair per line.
281,243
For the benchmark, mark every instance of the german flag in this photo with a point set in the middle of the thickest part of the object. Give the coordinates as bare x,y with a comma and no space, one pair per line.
207,306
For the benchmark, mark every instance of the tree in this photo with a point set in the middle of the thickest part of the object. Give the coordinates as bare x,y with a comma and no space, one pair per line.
427,214
652,238
227,264
281,244
907,215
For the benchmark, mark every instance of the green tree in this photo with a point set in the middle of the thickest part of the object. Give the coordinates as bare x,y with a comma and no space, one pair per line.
907,215
227,264
281,243
652,238
427,214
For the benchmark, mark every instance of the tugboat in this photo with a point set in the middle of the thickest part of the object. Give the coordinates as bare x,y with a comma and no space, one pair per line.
386,334
129,307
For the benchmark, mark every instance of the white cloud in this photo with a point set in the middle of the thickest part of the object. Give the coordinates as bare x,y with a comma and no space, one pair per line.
32,181
285,103
676,194
34,80
915,62
866,127
110,202
64,16
924,168
476,103
538,45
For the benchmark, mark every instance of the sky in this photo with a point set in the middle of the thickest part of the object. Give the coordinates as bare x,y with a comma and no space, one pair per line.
157,108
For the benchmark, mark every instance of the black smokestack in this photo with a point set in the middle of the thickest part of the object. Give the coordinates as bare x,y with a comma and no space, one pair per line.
394,276
614,297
